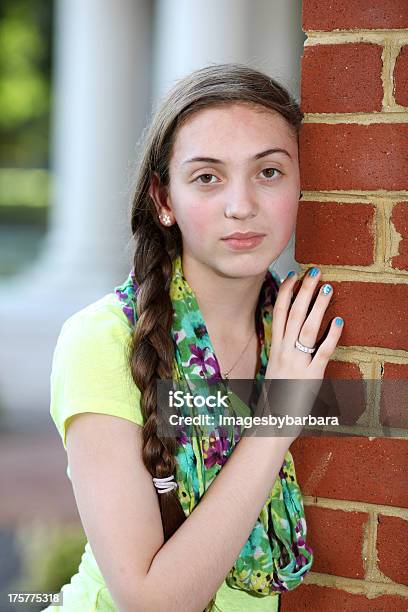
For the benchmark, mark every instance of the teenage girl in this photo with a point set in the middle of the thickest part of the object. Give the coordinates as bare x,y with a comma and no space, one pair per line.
215,204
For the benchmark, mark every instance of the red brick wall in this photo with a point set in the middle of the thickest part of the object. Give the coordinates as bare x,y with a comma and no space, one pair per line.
353,224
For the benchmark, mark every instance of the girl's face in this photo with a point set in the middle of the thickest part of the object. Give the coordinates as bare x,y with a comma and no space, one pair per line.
234,169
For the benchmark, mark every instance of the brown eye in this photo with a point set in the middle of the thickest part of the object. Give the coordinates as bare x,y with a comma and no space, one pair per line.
206,176
269,172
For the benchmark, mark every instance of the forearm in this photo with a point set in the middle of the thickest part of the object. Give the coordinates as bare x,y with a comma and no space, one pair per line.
190,567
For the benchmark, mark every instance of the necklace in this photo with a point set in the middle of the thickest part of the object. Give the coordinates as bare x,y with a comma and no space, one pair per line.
226,374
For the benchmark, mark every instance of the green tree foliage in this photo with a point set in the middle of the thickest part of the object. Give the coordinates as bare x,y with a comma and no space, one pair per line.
25,69
50,555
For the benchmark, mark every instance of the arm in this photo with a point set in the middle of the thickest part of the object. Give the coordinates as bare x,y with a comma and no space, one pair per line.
120,513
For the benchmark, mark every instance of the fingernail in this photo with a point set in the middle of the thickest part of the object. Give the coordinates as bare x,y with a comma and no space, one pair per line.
291,273
326,289
314,272
339,321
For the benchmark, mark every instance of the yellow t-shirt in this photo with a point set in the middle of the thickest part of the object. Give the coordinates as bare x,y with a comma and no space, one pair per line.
90,373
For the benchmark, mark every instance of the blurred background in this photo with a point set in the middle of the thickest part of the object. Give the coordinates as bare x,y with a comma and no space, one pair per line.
78,82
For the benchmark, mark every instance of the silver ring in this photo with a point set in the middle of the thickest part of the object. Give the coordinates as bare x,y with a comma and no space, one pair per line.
303,348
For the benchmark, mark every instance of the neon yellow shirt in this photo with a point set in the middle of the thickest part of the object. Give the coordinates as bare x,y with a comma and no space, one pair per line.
90,374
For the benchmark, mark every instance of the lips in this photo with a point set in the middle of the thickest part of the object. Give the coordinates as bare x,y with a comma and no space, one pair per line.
239,241
242,236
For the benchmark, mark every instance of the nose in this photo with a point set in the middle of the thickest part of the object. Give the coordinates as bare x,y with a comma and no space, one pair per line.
240,201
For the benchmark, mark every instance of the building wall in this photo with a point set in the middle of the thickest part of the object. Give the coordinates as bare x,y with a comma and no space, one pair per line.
353,224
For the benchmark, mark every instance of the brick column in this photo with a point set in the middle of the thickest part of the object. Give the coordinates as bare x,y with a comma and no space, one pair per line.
353,224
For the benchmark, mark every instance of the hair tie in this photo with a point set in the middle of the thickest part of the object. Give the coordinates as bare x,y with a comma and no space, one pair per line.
163,485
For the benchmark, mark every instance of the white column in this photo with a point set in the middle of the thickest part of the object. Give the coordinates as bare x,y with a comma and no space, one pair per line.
190,34
101,89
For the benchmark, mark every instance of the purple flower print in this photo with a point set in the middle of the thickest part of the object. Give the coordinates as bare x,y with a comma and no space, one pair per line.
129,313
181,436
121,294
278,584
300,558
198,358
216,450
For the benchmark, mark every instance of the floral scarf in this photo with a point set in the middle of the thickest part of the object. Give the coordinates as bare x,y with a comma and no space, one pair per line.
275,557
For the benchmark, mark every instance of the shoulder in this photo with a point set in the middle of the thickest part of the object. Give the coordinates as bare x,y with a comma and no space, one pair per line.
92,337
97,321
90,367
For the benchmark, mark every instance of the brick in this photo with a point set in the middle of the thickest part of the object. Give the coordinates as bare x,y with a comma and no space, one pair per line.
351,156
362,306
336,538
314,598
354,14
335,234
355,469
401,77
343,370
349,397
328,72
399,219
392,537
394,396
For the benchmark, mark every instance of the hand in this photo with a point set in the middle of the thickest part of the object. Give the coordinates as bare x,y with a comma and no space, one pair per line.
286,362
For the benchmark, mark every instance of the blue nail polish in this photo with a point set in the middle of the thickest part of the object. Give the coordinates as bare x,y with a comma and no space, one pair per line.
290,274
326,289
339,321
314,272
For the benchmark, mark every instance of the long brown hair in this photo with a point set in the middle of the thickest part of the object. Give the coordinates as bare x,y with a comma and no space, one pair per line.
151,350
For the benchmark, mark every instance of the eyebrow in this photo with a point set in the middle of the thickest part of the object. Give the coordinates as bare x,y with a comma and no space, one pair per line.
212,160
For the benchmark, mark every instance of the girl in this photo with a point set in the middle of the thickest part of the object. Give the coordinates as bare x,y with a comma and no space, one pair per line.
215,203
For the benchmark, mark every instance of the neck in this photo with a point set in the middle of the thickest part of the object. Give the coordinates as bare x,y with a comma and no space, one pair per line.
223,299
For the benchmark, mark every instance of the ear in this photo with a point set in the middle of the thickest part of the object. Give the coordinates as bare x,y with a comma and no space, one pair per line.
159,195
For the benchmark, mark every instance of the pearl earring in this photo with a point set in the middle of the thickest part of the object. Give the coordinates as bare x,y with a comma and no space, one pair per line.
166,219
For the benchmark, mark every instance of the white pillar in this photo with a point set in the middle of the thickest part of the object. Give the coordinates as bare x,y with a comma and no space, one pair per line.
101,88
190,34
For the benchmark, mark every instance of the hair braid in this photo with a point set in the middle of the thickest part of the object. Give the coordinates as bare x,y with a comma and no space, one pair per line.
152,355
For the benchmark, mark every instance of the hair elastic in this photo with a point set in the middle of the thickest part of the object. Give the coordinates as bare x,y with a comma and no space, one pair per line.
163,485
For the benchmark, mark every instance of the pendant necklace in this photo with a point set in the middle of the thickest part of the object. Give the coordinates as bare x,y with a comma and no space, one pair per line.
226,374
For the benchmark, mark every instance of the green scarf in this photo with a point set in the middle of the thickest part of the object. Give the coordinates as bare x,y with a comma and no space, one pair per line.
275,557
